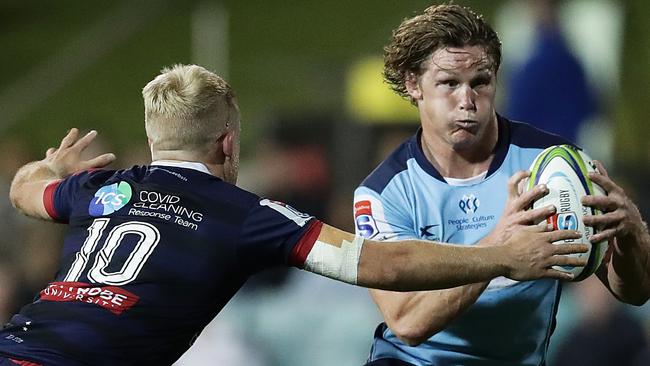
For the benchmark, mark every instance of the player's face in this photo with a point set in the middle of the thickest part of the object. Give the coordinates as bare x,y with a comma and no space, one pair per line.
455,97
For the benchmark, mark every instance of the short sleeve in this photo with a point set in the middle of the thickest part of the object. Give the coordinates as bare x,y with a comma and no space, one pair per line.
377,217
60,196
276,234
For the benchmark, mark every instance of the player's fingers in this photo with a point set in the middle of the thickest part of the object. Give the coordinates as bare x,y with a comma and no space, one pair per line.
513,183
86,140
601,168
563,249
603,203
69,139
535,216
565,260
605,220
558,275
602,180
536,228
558,235
100,161
603,235
50,151
526,199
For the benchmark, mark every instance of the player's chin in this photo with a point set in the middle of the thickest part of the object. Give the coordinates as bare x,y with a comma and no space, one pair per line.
464,139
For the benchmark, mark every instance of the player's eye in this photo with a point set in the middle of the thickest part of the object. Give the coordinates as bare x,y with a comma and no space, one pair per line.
480,81
452,83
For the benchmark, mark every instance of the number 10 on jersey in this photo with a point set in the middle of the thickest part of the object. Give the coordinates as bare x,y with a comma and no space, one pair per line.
149,237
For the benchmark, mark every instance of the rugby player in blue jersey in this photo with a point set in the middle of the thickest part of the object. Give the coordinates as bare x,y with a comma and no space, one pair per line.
456,180
154,252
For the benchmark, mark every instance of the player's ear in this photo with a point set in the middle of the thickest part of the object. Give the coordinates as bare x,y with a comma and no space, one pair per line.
150,145
227,143
412,85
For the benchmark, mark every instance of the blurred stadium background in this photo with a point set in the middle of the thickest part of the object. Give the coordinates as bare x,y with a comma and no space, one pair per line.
316,119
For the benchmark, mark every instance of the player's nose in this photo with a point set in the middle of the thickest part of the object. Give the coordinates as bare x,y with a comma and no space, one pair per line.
466,98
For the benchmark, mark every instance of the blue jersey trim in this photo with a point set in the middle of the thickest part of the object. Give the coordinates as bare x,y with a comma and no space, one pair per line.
393,165
422,160
527,136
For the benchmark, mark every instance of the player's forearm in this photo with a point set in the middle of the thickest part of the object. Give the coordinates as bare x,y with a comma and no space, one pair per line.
629,269
416,265
417,316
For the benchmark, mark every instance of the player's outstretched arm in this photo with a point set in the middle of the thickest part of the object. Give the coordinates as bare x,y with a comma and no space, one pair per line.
527,255
414,265
30,181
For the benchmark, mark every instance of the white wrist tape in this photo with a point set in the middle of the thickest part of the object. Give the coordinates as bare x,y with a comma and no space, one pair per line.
339,263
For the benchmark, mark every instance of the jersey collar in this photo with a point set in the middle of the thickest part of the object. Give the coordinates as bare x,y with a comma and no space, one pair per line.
183,164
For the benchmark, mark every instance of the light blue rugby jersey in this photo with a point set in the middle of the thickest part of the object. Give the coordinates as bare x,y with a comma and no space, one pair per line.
405,197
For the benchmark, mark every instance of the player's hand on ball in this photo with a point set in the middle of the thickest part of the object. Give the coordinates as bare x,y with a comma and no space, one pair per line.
620,215
66,159
516,214
531,253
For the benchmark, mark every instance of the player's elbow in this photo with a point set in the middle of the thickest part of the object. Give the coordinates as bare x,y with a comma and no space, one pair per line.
16,195
412,340
21,198
411,333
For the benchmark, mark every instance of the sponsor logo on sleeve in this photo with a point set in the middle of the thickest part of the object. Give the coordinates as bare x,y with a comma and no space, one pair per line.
109,199
364,221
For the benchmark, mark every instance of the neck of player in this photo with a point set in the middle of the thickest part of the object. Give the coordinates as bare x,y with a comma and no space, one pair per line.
213,163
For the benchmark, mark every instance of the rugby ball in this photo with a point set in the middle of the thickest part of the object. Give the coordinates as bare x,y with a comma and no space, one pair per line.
565,171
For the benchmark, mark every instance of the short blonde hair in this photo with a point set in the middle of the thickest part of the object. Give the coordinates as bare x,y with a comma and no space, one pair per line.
186,107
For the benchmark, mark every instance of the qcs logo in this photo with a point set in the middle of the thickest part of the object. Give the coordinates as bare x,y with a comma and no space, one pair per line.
109,199
469,204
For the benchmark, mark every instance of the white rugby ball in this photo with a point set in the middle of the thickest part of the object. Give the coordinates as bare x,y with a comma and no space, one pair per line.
564,169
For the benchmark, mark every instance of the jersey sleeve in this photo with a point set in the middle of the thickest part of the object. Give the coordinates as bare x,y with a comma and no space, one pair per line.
276,234
378,217
60,195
